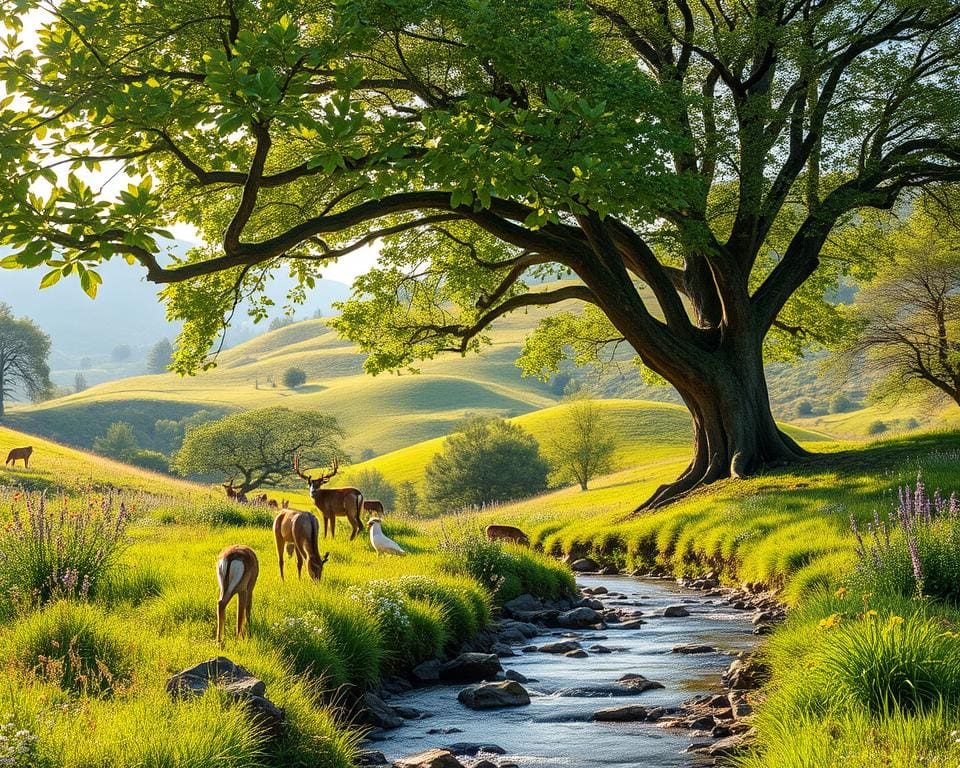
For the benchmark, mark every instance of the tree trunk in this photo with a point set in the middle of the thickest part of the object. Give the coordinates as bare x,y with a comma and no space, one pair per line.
735,434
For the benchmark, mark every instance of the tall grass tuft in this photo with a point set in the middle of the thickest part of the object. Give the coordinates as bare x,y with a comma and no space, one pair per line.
63,550
75,646
907,665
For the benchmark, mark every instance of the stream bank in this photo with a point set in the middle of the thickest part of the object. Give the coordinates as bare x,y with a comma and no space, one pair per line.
638,688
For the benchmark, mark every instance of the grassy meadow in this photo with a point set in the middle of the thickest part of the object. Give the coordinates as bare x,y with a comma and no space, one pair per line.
86,675
863,672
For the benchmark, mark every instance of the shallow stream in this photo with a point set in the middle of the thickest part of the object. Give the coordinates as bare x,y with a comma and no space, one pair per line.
555,729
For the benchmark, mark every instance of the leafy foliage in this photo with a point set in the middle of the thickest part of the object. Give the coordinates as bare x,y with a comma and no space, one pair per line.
375,485
294,377
160,357
584,445
24,350
258,446
485,460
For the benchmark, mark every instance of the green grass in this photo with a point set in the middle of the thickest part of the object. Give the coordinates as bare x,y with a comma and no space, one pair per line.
87,677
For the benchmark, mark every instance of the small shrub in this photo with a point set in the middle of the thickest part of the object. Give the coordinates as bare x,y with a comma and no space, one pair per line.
294,377
74,646
804,408
876,427
59,551
842,404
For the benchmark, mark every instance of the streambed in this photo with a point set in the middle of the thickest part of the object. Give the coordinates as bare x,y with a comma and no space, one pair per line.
556,728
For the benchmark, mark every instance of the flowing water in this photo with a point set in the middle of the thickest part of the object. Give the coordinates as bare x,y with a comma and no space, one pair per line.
556,730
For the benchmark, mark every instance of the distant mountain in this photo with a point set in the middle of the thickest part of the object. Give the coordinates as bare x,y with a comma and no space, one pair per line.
126,312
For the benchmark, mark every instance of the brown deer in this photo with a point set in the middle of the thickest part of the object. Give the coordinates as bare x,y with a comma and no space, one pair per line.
19,453
234,494
507,533
373,507
333,502
297,531
237,571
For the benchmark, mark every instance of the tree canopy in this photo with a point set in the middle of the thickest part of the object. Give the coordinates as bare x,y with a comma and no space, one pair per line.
24,350
160,357
583,443
258,447
696,169
485,460
909,315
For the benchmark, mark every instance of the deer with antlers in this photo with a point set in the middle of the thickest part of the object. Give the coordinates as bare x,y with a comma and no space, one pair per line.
297,531
333,502
237,571
234,493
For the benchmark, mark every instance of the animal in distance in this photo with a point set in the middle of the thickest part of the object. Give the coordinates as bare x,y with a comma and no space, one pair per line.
237,571
233,493
382,543
373,507
333,502
297,531
22,454
507,533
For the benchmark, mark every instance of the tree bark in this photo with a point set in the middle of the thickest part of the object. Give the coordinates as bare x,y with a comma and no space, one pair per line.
735,433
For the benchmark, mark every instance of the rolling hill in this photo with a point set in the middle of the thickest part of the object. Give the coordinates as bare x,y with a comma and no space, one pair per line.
650,434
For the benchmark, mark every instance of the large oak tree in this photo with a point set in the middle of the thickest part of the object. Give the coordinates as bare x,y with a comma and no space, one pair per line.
705,152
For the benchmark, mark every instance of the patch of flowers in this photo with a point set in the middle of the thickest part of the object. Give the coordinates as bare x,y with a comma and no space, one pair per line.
916,549
386,601
18,746
59,549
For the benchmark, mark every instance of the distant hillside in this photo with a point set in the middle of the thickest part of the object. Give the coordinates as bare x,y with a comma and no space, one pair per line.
126,312
54,466
649,433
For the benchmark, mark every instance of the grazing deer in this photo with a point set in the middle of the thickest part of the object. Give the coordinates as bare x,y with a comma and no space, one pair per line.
507,533
374,507
333,502
260,500
297,532
235,494
382,543
19,453
237,571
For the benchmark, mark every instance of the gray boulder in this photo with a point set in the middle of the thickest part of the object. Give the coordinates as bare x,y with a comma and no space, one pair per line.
239,684
470,668
579,618
509,693
584,565
675,612
432,758
561,646
427,673
629,713
378,713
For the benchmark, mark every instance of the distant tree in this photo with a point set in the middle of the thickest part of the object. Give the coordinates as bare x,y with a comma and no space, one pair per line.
842,404
119,442
160,356
152,460
24,350
367,453
876,427
909,314
804,408
169,432
486,460
79,382
85,364
583,444
257,447
408,500
294,377
280,322
120,353
374,485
